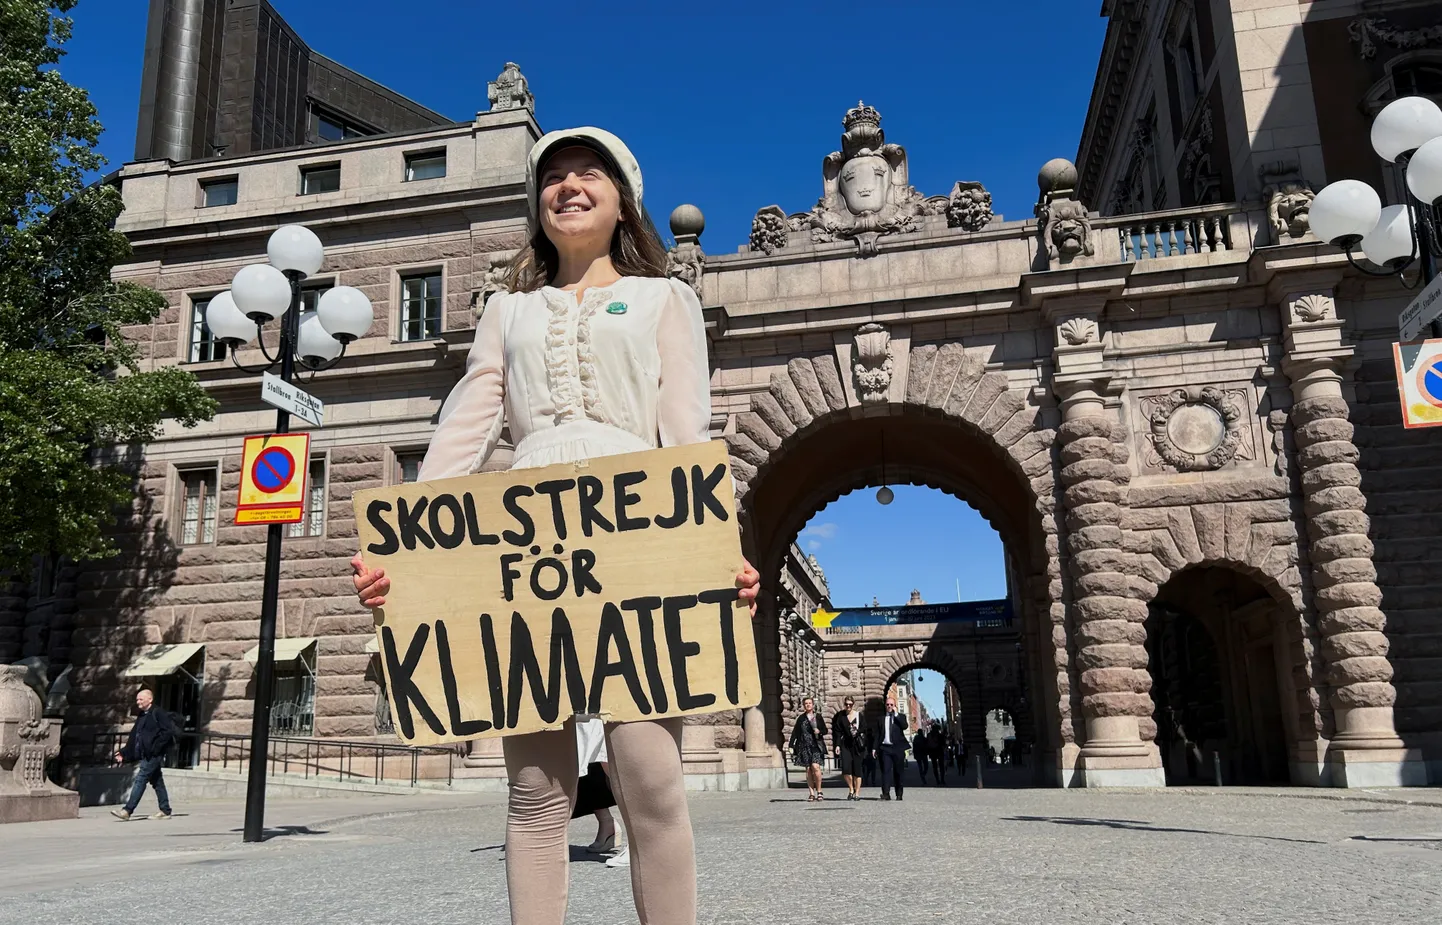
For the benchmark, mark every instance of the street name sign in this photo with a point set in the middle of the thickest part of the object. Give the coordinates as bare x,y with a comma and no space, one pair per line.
273,471
604,587
278,393
1421,311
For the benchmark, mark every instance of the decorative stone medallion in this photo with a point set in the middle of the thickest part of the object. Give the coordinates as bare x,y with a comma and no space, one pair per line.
1196,429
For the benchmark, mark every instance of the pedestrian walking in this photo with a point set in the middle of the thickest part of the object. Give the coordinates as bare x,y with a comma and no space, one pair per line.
889,748
936,748
848,742
808,747
150,738
918,751
590,351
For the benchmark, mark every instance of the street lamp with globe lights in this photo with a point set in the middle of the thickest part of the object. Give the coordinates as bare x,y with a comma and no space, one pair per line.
1349,214
259,294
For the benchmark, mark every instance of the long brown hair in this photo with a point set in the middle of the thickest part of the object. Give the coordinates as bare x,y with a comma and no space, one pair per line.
636,248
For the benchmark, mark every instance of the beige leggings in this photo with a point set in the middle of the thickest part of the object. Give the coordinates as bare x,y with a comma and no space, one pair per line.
645,775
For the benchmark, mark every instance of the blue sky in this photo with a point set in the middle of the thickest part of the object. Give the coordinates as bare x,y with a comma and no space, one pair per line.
925,539
728,106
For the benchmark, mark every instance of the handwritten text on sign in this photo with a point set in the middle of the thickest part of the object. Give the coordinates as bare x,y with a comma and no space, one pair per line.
518,598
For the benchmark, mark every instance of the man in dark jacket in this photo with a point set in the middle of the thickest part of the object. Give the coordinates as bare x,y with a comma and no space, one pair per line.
888,745
150,739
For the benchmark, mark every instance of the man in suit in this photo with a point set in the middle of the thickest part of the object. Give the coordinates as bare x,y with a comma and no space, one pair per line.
889,748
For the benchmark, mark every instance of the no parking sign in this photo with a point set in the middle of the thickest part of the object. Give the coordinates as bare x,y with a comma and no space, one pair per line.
272,479
1419,382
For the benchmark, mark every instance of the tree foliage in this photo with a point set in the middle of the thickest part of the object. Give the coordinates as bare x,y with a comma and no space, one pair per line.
72,386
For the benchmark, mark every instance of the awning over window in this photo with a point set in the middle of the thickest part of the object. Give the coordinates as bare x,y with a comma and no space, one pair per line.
373,645
286,650
162,660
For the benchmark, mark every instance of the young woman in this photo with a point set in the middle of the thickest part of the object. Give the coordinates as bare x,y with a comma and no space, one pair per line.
848,743
592,352
808,746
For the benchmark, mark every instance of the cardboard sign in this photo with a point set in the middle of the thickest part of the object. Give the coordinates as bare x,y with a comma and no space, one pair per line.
603,587
1419,382
273,471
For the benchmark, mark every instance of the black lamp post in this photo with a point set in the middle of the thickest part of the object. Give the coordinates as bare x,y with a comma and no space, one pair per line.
260,294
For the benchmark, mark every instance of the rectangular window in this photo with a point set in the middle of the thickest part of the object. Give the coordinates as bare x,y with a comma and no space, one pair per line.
199,506
46,581
221,191
292,709
203,345
323,178
314,522
408,467
421,306
425,165
310,295
329,127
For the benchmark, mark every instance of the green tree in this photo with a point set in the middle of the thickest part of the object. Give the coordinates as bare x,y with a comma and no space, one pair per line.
72,387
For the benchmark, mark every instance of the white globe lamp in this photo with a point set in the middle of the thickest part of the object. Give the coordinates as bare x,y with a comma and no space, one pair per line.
1344,212
261,292
314,345
345,313
1390,244
227,323
1405,125
1424,172
296,249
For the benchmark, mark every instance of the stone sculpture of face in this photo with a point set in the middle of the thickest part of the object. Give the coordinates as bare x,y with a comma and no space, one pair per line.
865,182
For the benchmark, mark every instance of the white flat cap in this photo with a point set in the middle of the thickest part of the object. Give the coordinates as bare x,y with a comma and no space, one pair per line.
610,147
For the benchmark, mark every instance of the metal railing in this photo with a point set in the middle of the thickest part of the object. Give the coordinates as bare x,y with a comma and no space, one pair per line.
322,759
1201,230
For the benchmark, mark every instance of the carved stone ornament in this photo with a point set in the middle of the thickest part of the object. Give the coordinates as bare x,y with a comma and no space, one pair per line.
510,90
497,279
1367,31
865,190
969,206
686,262
768,230
1078,331
1197,429
1066,230
27,739
872,363
1289,199
1312,307
1277,424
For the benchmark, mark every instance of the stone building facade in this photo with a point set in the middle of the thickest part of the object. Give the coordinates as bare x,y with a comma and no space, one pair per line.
1182,420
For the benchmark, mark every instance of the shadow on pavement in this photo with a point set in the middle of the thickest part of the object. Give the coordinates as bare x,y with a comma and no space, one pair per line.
1132,825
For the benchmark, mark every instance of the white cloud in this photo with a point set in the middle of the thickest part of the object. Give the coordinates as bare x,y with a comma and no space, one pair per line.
813,545
825,531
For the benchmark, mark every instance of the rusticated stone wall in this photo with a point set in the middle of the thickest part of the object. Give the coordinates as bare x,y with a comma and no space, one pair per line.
1346,595
1110,635
1402,482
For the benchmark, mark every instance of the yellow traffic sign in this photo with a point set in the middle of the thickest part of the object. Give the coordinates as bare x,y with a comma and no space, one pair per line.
272,479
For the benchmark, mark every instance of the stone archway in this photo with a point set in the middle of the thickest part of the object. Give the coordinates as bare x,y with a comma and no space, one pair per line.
939,417
1256,539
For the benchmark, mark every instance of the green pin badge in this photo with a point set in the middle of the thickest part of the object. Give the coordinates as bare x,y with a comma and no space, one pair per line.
616,308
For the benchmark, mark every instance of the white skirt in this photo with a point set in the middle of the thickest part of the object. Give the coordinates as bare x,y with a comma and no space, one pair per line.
574,441
590,743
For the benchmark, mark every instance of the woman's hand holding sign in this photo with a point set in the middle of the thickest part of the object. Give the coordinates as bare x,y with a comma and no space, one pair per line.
372,585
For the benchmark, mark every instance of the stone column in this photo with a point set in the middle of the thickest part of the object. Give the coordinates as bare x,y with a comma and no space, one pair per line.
1365,751
1107,620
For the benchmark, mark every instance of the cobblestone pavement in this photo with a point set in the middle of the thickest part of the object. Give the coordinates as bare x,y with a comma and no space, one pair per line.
1040,857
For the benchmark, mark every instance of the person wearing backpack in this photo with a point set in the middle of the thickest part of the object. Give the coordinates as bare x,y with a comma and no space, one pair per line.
150,738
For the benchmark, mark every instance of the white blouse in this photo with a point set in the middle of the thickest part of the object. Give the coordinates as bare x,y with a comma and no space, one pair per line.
630,357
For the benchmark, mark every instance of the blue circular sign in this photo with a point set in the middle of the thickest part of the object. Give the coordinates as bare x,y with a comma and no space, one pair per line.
273,469
1429,381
